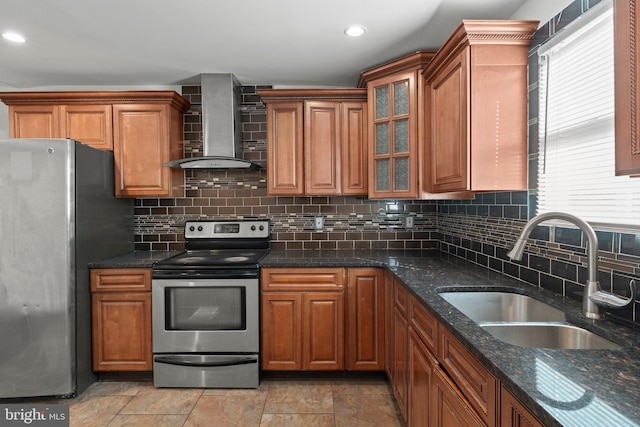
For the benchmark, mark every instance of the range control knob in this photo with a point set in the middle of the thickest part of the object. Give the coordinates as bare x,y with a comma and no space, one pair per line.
200,228
261,227
253,228
192,228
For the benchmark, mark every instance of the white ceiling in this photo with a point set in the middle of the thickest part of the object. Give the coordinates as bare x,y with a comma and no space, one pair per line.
170,42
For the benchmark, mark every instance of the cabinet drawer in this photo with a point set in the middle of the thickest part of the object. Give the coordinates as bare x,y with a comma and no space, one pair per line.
423,324
301,279
400,297
475,382
119,279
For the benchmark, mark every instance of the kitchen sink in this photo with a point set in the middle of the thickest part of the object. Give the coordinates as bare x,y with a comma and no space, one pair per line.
545,335
502,307
524,321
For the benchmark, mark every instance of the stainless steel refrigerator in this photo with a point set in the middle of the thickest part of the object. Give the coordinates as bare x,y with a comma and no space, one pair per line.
57,213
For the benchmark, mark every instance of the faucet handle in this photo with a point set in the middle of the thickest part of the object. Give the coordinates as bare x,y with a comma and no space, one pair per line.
607,299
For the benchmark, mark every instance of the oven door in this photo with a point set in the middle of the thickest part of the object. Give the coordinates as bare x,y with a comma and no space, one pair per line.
205,315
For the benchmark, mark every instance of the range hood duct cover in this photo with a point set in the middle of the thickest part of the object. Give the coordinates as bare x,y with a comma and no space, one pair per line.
221,126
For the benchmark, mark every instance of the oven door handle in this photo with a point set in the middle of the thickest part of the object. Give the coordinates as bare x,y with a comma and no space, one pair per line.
204,361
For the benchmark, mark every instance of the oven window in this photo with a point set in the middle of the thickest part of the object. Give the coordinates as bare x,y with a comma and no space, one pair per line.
205,308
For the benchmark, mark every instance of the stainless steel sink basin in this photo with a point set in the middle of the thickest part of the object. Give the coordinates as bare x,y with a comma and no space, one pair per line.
545,335
502,307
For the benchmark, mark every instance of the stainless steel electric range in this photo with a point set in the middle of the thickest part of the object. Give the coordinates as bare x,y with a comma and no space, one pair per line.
205,305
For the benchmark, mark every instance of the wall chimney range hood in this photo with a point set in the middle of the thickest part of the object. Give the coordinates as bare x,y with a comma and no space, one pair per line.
221,127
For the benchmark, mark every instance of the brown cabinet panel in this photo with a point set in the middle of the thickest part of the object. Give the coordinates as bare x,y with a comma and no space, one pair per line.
474,381
421,364
365,319
515,414
389,313
285,155
301,279
449,126
137,155
448,408
354,148
121,328
323,331
281,331
400,346
34,121
90,124
423,324
322,143
120,279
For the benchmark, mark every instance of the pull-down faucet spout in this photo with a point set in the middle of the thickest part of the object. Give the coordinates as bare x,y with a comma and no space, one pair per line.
594,297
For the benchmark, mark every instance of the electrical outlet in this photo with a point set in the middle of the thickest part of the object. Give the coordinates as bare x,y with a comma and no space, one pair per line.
408,222
319,223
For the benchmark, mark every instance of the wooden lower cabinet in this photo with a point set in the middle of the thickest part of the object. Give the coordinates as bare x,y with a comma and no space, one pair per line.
399,360
365,320
515,414
121,319
420,378
302,319
448,408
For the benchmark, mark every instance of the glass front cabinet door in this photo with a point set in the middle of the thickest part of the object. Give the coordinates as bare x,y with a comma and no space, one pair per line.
393,129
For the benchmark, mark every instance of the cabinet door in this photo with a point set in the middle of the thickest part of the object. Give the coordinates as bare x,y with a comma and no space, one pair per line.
122,331
448,408
515,414
34,121
389,313
477,384
322,147
420,373
323,331
285,156
400,343
365,319
89,124
449,129
393,146
354,162
281,331
141,146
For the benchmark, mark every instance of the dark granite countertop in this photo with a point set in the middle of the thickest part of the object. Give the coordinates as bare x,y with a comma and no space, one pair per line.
135,259
561,387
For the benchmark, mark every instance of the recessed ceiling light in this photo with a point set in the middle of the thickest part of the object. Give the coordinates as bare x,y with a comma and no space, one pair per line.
14,37
355,31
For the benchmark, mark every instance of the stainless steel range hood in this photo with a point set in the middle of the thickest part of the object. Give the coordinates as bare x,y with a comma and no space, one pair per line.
221,127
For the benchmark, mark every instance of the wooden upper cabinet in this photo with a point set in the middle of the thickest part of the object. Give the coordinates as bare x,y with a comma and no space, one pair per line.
475,109
143,128
89,124
284,149
322,144
34,121
316,140
392,90
627,89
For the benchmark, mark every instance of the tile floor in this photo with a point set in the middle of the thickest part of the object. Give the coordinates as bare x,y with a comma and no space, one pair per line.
282,402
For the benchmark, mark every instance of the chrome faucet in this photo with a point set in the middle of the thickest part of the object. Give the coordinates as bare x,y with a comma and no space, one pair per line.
594,297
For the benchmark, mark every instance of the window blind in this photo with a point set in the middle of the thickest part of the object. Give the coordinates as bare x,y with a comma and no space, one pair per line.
576,171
